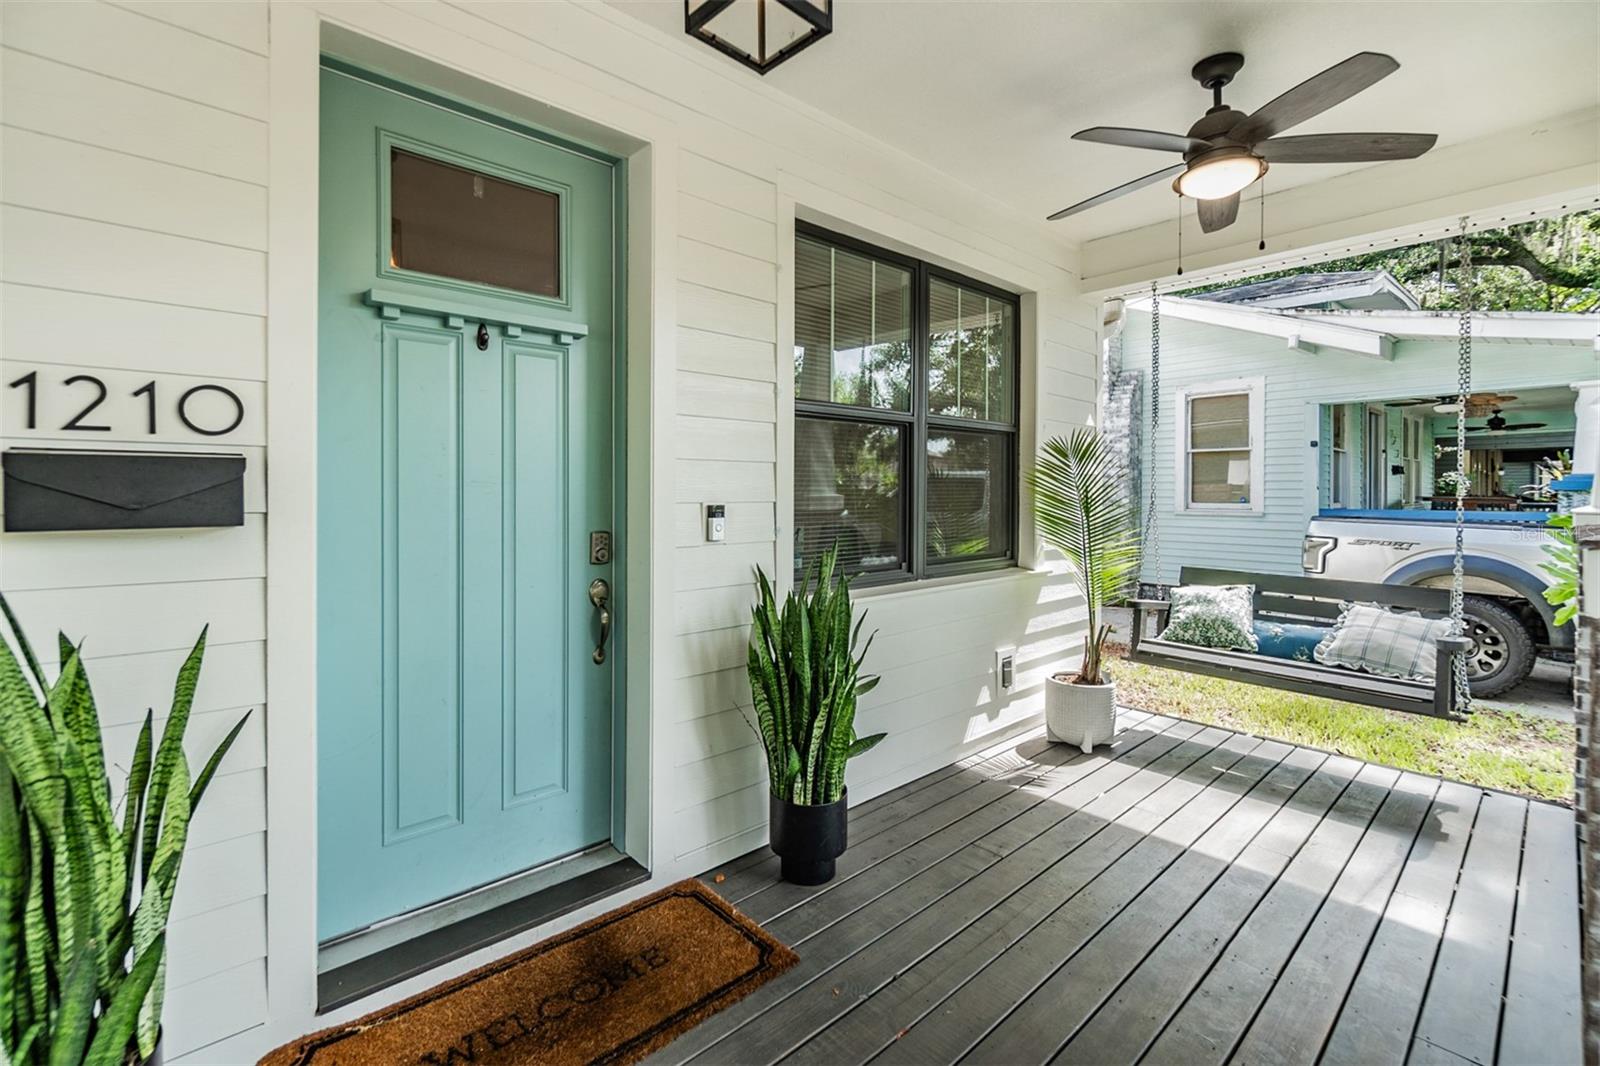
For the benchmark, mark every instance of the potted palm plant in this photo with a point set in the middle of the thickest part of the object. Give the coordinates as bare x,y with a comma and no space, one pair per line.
1081,510
84,898
805,676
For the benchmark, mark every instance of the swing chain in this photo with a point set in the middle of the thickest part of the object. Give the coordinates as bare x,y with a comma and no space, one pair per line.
1152,532
1464,388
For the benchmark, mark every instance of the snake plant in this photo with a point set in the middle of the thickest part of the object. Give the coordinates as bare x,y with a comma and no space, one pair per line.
805,676
84,897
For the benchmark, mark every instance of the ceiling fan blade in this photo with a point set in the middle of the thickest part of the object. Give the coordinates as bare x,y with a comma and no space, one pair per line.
1314,96
1131,138
1527,425
1345,147
1218,214
1121,190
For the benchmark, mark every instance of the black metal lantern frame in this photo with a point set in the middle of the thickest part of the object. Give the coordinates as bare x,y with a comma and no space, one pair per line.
758,33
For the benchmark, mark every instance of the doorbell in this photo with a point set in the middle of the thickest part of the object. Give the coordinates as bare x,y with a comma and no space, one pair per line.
716,522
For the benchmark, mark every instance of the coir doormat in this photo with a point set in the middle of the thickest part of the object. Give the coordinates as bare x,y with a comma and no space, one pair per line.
609,991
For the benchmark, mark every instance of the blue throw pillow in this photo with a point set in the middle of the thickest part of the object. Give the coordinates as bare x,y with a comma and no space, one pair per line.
1284,640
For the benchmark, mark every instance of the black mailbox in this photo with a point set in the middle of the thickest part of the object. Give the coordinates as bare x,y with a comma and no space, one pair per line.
70,490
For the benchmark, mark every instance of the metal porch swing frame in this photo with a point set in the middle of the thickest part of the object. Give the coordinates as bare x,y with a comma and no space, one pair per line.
1305,599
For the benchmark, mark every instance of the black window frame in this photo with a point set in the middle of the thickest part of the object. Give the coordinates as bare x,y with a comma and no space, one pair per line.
919,421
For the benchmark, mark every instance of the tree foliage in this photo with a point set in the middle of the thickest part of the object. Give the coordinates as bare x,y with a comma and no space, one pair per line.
1550,264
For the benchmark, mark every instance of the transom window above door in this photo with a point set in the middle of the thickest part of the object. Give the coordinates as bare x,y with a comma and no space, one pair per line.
451,221
905,414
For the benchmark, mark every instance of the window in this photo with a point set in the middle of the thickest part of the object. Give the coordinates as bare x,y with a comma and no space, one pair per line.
905,441
456,223
1411,458
1340,462
1219,447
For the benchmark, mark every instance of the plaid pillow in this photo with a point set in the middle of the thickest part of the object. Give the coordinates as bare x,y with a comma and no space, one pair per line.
1212,616
1380,641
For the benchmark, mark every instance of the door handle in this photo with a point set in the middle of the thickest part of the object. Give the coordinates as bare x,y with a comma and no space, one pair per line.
600,596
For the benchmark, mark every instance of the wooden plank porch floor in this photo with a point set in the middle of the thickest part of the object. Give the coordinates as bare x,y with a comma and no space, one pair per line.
1187,895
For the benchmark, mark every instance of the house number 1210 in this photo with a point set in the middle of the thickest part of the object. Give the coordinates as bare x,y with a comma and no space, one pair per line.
30,383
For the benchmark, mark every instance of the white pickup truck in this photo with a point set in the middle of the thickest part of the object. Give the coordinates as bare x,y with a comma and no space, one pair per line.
1506,614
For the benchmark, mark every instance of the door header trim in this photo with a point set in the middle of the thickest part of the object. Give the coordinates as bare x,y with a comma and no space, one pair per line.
391,302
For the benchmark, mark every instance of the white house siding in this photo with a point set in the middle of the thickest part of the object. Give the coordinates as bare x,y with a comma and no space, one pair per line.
135,186
1297,384
133,178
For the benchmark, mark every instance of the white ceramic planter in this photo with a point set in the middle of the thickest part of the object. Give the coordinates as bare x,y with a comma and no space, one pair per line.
1083,715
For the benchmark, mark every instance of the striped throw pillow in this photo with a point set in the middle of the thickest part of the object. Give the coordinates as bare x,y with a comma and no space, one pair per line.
1388,643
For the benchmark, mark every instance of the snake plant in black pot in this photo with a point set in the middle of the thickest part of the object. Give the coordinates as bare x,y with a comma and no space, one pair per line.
805,676
85,896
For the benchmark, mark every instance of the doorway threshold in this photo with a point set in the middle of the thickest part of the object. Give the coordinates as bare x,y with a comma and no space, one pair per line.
368,960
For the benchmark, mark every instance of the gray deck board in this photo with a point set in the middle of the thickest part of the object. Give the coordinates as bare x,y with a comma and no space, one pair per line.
1470,968
1186,895
1217,1013
1297,1017
1181,809
861,931
1543,984
1081,832
878,1021
1380,1012
1137,1013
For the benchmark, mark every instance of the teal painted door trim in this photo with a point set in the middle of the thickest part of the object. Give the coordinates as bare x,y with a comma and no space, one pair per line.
465,733
454,309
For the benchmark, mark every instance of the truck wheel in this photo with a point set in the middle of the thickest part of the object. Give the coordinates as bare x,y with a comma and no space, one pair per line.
1502,652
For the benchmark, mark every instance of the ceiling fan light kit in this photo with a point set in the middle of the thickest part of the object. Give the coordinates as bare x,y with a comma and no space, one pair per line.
1219,173
1227,151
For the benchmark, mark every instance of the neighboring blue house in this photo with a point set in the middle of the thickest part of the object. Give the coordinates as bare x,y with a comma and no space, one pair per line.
1286,397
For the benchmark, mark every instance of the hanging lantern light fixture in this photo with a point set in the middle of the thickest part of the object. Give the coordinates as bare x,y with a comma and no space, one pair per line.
758,33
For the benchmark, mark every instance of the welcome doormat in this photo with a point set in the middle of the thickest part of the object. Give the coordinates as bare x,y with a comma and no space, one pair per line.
611,990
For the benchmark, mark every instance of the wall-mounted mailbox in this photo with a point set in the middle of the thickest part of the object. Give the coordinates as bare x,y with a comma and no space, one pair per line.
69,490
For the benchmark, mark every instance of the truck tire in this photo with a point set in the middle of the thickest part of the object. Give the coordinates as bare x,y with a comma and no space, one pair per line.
1502,653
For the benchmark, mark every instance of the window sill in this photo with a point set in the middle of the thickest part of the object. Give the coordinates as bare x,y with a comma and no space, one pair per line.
910,589
1236,512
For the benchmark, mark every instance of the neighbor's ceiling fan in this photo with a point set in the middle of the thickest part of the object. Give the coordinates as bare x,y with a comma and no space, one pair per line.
1227,151
1498,424
1478,404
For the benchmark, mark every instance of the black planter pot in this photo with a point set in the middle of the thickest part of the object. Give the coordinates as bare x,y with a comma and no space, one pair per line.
808,838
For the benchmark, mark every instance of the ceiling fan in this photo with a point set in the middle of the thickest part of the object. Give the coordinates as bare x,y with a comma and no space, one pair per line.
1498,424
1478,404
1227,150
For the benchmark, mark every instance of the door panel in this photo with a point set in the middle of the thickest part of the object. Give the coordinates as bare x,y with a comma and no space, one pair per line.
422,591
534,765
464,729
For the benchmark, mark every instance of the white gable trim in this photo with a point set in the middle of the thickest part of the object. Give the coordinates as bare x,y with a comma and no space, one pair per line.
1302,334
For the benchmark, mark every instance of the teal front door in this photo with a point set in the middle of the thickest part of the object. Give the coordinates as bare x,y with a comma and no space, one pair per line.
464,503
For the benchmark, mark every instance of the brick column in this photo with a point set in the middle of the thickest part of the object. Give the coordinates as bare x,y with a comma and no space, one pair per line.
1586,682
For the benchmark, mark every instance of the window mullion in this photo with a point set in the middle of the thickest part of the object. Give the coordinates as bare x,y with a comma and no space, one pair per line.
917,503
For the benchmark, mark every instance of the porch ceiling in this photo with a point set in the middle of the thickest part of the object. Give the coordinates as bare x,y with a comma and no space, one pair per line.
990,92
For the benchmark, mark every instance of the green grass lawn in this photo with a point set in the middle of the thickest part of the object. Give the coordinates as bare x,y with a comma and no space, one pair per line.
1498,749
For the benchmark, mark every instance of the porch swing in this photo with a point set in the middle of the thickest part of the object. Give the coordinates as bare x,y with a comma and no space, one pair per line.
1302,600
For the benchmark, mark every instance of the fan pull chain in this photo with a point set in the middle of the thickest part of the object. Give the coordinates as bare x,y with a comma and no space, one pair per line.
1180,235
1261,200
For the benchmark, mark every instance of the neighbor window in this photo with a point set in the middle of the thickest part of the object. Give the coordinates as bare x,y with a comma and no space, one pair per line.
1411,457
1219,453
1339,456
905,442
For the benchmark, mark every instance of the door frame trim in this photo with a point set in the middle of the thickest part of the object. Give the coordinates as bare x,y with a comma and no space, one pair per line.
421,53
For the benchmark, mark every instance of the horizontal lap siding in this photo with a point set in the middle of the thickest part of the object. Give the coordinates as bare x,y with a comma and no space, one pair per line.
1296,384
133,171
